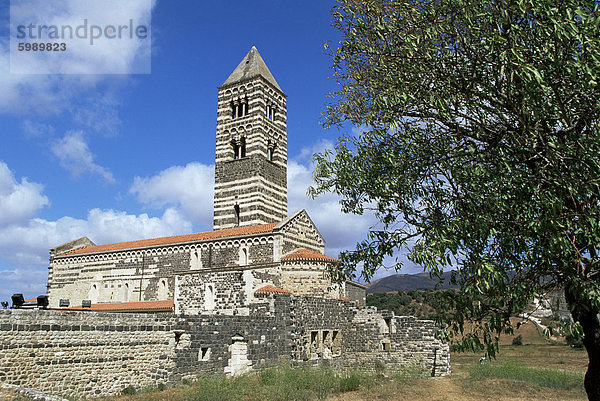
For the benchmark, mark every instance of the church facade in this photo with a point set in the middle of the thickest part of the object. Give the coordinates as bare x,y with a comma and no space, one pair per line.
254,243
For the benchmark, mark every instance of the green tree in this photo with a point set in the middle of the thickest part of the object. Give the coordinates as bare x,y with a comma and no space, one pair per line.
481,151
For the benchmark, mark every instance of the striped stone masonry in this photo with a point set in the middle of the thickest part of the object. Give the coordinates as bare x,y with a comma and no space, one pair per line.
251,148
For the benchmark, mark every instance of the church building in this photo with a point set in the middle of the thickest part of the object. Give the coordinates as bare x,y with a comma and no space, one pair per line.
255,247
254,292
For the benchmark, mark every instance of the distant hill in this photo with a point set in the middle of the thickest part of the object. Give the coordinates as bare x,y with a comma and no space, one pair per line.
407,282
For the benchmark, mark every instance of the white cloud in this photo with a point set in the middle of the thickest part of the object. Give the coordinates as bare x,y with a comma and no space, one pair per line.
124,53
189,187
36,130
341,231
49,94
18,201
29,243
26,240
107,226
74,155
307,152
30,282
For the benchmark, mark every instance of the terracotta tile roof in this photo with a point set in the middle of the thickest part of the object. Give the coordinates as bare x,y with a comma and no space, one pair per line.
345,299
229,232
307,254
31,300
270,289
130,306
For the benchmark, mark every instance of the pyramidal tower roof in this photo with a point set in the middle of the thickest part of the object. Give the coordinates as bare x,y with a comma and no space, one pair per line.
251,66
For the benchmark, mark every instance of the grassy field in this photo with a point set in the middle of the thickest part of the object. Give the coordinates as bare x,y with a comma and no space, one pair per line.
537,370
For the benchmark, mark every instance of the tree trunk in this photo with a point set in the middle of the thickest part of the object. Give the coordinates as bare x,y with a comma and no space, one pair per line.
584,312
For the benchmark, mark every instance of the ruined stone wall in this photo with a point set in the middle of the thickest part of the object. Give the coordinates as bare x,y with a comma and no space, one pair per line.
335,330
90,354
87,354
355,292
234,344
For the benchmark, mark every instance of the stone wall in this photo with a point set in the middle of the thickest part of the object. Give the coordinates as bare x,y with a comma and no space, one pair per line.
308,277
366,336
85,353
117,276
355,292
222,291
89,354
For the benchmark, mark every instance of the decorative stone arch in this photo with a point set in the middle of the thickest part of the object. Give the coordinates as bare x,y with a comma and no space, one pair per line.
94,293
210,296
162,292
244,256
125,293
195,258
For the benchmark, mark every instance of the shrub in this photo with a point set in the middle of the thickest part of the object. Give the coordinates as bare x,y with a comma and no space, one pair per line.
349,383
518,340
574,340
129,390
267,376
379,367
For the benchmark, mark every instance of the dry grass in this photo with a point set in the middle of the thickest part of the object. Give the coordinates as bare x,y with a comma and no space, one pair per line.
536,352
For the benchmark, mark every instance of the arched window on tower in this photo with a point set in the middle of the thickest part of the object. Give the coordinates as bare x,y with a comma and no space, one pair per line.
245,106
239,148
236,149
243,147
239,107
270,112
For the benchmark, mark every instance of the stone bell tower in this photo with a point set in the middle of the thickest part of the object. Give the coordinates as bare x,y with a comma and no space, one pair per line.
251,152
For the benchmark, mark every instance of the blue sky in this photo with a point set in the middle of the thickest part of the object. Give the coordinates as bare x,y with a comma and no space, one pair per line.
124,157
